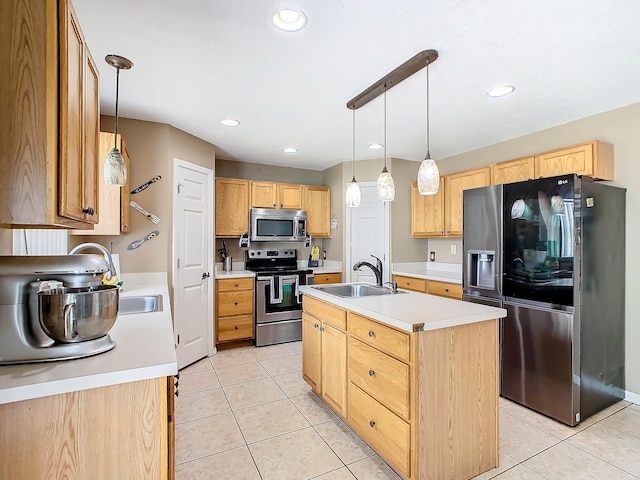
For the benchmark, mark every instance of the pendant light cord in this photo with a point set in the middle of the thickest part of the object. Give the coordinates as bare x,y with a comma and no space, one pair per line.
428,157
385,128
353,156
115,137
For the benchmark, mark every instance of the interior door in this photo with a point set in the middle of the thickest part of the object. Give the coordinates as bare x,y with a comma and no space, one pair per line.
368,234
193,247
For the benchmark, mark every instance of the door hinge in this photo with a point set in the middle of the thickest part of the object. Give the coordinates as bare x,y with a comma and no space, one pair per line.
179,187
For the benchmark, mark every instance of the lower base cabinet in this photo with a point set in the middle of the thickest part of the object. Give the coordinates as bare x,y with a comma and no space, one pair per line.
115,432
427,402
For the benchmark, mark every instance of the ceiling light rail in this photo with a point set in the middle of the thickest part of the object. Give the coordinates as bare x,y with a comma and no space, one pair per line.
408,68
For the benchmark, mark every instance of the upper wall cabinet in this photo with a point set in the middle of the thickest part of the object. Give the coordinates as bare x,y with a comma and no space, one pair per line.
594,159
454,186
50,117
517,170
276,195
317,203
113,201
427,212
232,207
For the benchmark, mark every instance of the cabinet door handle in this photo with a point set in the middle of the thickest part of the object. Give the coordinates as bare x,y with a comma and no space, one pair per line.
372,423
236,327
315,325
372,373
281,205
441,232
322,329
235,303
372,333
88,210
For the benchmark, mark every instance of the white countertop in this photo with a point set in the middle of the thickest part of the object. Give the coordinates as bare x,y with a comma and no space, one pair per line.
442,272
412,311
321,270
220,274
144,349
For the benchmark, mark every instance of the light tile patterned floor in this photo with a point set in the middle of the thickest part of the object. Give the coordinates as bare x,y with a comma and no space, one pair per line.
246,414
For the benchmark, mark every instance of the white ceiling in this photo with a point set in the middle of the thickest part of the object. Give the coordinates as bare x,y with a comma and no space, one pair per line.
198,61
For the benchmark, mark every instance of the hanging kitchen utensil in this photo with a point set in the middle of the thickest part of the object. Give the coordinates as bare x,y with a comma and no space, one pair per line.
150,216
135,244
145,185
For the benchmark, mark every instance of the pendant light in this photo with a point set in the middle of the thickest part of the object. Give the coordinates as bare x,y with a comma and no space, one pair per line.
386,188
115,170
428,173
353,190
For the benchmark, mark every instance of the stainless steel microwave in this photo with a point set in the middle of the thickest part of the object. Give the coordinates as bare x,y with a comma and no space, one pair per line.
271,225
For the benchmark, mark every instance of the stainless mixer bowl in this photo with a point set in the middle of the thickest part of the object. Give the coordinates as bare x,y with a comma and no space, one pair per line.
71,315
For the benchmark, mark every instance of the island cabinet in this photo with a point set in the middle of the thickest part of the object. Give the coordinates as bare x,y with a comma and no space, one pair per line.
234,309
232,207
113,200
276,195
593,158
50,109
517,170
118,431
425,401
324,358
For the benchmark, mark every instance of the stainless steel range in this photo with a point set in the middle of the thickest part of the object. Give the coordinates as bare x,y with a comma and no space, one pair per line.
278,300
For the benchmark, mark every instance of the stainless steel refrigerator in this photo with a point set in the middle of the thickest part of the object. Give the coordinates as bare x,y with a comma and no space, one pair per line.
551,252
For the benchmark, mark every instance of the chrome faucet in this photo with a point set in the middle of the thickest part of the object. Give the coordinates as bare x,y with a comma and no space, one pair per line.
377,270
84,246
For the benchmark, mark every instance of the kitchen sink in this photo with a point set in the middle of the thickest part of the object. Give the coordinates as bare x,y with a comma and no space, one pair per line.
355,290
141,304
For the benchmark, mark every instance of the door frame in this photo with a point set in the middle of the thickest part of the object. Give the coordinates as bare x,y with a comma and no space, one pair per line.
386,261
177,163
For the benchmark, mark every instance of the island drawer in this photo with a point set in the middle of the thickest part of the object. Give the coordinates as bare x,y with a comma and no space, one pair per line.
385,338
235,303
411,283
325,278
235,328
381,376
383,430
325,312
231,284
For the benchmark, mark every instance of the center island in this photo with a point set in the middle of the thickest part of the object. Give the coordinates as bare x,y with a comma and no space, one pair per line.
415,375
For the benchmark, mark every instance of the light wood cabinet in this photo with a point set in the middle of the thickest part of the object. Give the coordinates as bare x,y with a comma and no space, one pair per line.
517,170
325,278
317,203
324,352
427,212
444,289
276,195
407,391
411,283
125,430
454,186
593,158
51,109
232,207
113,201
234,309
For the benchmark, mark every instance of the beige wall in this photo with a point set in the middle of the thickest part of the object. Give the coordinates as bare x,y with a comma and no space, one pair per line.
152,148
268,173
334,177
620,128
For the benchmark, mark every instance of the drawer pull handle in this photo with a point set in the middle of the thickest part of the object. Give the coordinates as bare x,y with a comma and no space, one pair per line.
372,423
446,290
372,373
372,333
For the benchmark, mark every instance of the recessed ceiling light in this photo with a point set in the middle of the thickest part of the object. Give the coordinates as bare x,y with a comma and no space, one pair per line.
290,150
289,20
230,122
376,146
501,91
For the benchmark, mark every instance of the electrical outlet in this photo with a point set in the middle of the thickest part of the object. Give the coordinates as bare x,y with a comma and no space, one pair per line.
453,249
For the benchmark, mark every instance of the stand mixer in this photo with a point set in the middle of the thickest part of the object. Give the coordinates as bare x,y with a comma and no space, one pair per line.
25,287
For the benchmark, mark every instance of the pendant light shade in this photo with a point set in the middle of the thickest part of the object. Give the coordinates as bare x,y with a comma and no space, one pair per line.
428,173
386,189
353,190
115,169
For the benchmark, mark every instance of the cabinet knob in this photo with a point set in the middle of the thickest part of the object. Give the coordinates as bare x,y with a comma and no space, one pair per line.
372,373
274,205
235,285
236,327
372,333
88,210
446,290
281,205
372,423
235,303
315,325
441,232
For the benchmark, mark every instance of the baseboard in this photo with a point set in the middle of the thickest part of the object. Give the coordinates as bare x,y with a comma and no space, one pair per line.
632,397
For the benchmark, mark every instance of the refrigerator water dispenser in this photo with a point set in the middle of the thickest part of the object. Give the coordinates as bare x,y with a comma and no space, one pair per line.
481,265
